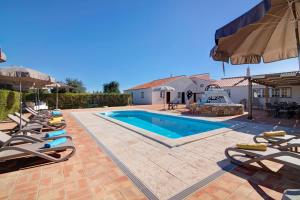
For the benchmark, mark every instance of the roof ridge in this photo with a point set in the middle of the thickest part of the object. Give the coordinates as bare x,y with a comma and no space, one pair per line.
199,74
232,77
168,77
156,82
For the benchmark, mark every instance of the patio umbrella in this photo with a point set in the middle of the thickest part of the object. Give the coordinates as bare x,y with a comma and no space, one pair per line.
24,77
267,32
58,85
2,56
165,89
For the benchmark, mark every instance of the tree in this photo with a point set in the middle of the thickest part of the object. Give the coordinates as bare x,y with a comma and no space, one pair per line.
111,87
76,85
60,90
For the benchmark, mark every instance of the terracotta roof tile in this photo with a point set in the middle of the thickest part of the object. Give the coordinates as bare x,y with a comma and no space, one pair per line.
230,82
201,76
155,83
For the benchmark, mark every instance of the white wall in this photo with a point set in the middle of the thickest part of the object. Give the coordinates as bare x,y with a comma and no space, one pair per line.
295,96
238,93
137,98
180,85
241,92
151,96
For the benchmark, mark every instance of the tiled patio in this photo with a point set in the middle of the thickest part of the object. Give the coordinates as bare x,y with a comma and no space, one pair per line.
91,174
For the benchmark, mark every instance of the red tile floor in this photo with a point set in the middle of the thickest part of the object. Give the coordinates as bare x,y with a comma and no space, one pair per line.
90,174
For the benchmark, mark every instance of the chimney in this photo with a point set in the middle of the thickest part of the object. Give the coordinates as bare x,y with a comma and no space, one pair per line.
248,71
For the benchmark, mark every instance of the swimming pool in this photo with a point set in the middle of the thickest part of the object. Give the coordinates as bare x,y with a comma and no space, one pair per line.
173,127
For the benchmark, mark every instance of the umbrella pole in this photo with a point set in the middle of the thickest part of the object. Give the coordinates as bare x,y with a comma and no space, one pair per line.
294,12
56,97
35,96
20,105
38,95
298,49
250,98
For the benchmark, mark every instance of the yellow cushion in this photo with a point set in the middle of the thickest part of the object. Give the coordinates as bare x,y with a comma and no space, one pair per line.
274,134
258,147
54,121
57,118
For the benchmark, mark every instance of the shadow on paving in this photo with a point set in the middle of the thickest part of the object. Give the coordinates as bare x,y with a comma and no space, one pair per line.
259,116
24,163
259,178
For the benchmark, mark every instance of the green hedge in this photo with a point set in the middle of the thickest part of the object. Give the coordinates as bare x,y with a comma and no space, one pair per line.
9,103
81,100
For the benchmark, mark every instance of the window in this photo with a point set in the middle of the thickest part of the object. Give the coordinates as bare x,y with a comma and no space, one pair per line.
285,92
178,95
201,85
228,92
258,93
142,95
275,92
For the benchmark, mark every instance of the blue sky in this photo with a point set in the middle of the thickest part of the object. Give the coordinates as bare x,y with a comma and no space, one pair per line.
130,41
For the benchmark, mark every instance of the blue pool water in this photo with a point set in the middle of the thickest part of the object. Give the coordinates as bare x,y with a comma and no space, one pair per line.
165,125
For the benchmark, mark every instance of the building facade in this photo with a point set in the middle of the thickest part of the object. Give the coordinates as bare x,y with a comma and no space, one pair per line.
236,87
147,93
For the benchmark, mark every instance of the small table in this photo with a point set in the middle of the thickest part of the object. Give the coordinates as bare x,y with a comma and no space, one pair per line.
172,106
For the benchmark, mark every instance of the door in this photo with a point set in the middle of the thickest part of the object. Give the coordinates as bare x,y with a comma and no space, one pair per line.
183,98
195,97
168,97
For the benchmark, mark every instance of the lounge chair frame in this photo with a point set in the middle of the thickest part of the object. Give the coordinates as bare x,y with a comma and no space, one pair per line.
38,152
257,158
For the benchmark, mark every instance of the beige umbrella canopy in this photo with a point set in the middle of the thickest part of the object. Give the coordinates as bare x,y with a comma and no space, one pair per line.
2,56
58,85
267,32
28,77
165,89
24,77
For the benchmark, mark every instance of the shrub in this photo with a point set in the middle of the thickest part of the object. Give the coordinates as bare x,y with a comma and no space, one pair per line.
82,100
9,103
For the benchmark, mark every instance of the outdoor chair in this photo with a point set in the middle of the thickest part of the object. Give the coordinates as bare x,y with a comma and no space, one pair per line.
30,136
45,114
283,109
59,123
38,149
26,119
270,109
292,145
193,108
35,125
25,126
291,194
274,140
287,158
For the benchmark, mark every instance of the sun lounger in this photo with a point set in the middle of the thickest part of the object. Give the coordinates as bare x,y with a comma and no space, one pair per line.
37,125
276,140
47,114
51,124
292,145
30,136
36,114
26,119
288,158
37,149
26,126
291,194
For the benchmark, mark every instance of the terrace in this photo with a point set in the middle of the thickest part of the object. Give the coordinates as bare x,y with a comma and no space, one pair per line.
113,162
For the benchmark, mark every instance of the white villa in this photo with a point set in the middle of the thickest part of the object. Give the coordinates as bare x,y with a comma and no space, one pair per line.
147,93
237,88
